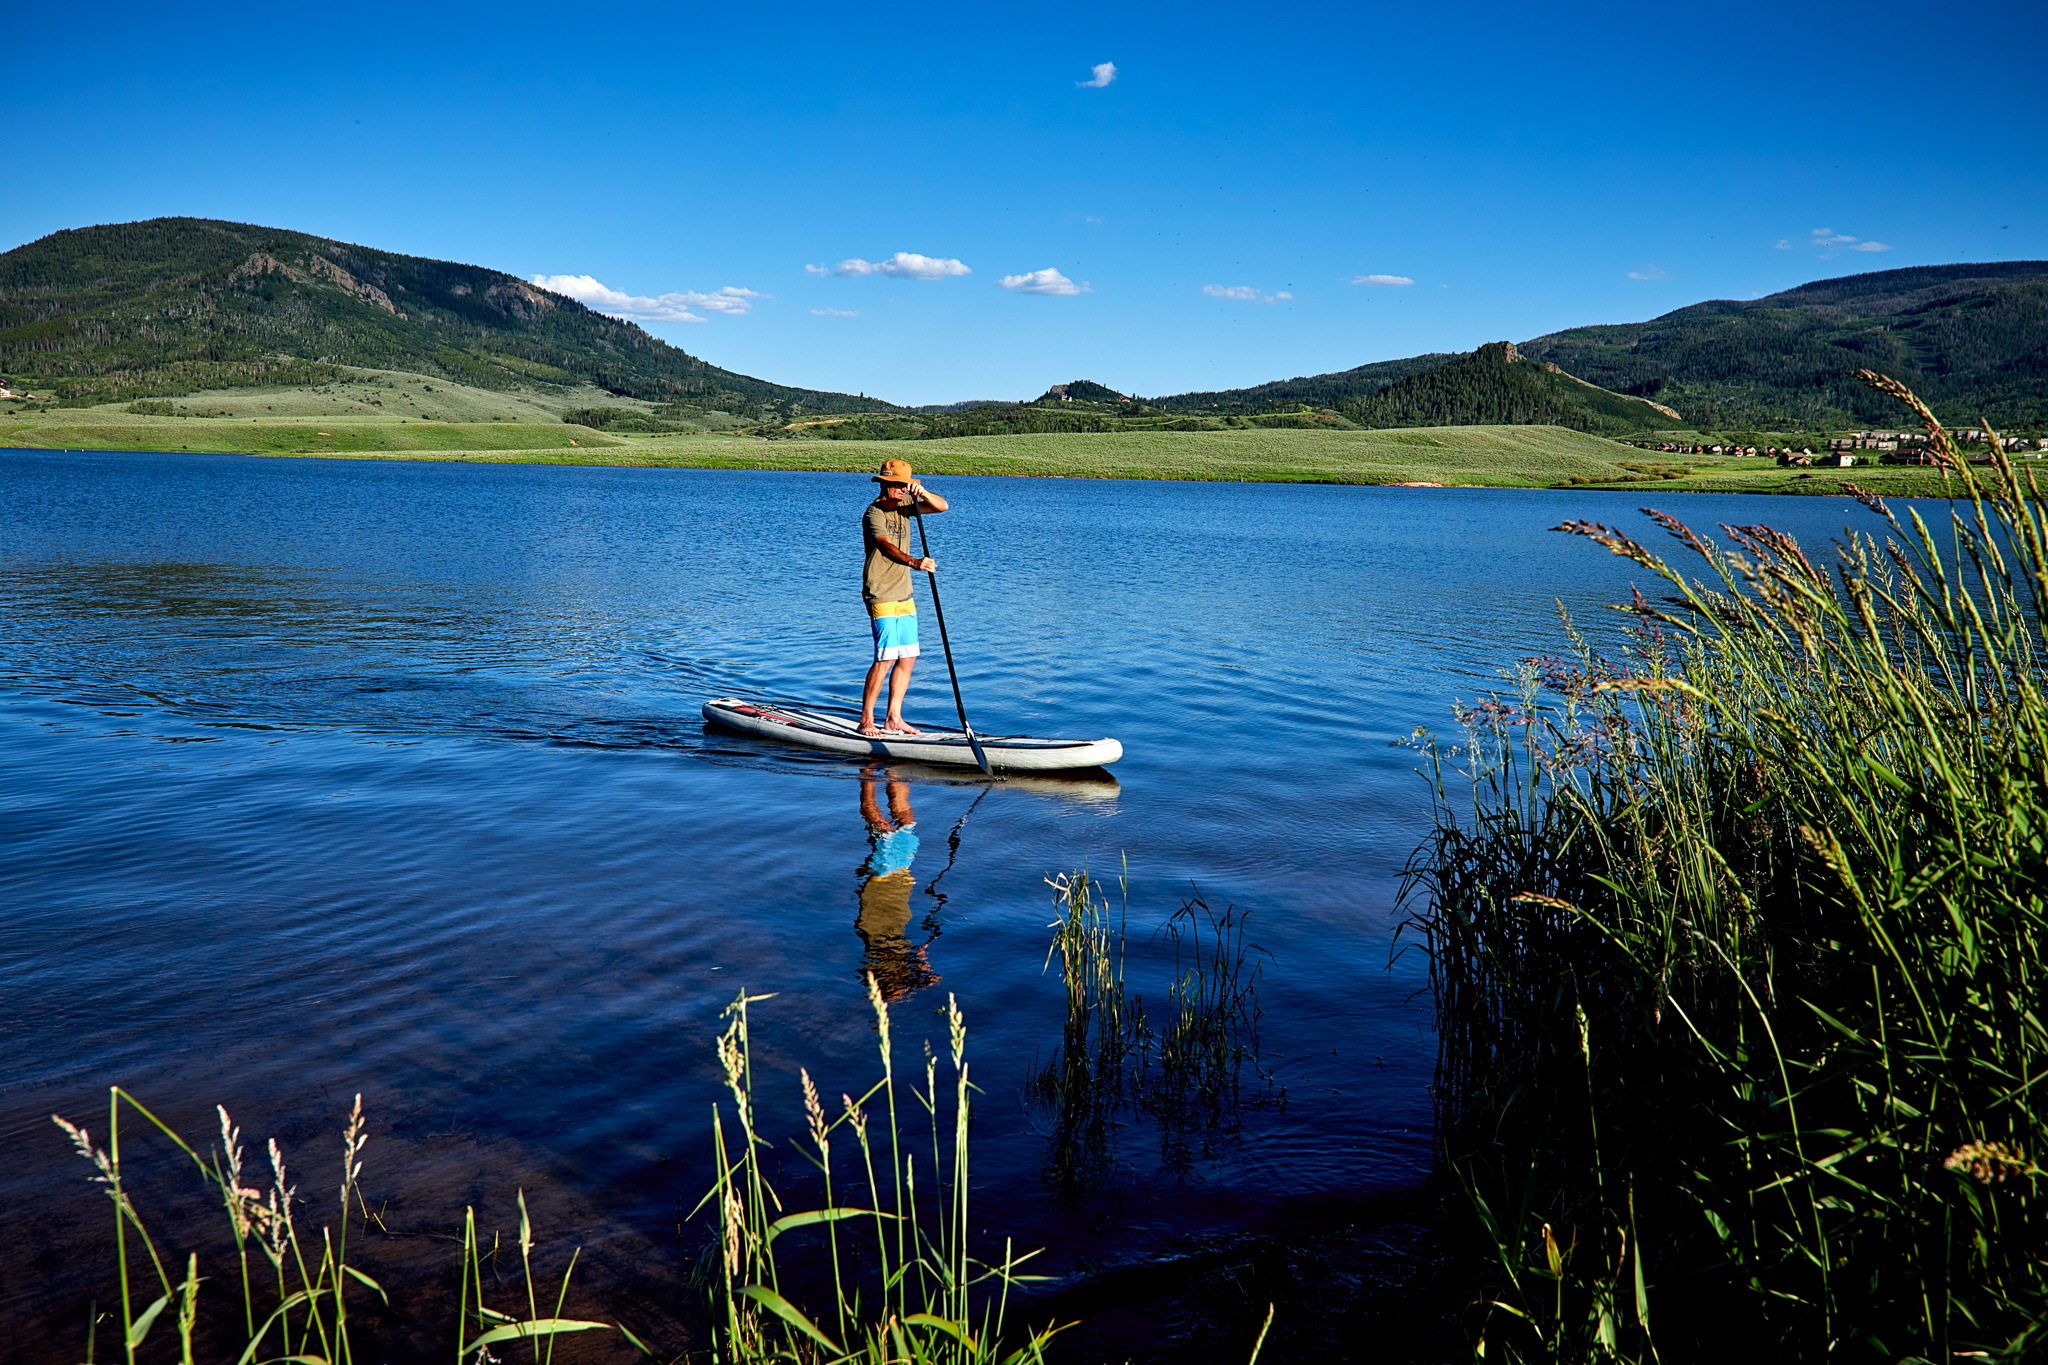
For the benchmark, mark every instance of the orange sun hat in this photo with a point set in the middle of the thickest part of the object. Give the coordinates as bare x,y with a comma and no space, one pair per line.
893,471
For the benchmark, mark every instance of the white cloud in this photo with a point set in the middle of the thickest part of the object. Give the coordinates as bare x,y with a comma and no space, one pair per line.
1047,281
1828,241
1243,293
1649,272
1384,281
834,313
1105,72
904,265
730,301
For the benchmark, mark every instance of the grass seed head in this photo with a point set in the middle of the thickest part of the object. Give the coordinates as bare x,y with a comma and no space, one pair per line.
814,1109
1989,1162
957,1024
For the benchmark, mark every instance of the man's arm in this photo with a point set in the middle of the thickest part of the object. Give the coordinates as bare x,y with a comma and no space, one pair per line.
888,548
927,501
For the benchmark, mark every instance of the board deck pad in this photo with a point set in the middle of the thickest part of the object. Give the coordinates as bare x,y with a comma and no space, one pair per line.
841,734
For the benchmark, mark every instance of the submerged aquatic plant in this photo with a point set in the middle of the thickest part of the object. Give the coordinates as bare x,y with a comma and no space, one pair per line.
1194,1087
1114,1063
1737,941
295,1282
1090,1079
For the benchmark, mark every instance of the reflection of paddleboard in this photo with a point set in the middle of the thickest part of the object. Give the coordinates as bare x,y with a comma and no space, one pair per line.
841,735
1094,785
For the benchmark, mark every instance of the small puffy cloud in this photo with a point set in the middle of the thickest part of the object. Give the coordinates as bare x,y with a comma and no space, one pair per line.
904,265
1828,241
1382,281
834,313
729,301
1047,281
1243,293
1105,72
1649,272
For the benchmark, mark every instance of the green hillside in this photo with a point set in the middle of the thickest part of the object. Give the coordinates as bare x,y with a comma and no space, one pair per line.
1083,391
180,305
1320,391
1971,339
1497,385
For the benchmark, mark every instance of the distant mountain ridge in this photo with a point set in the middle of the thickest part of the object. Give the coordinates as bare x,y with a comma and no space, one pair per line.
1972,339
174,305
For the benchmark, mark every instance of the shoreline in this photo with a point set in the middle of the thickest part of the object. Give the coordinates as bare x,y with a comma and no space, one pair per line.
1458,458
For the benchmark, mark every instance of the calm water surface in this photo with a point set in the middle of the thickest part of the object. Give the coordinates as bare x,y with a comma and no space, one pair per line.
327,777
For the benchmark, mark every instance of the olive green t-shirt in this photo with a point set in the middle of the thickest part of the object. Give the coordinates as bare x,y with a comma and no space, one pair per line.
884,580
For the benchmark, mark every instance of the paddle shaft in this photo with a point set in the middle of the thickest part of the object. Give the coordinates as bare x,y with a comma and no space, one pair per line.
925,546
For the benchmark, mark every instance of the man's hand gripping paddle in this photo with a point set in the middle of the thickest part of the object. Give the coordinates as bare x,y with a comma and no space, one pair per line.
940,612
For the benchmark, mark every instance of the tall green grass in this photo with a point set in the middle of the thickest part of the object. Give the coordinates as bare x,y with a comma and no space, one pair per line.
1737,944
899,1280
295,1280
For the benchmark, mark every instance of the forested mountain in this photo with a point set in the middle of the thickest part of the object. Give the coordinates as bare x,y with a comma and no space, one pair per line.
1498,386
174,305
1971,339
1081,391
1316,391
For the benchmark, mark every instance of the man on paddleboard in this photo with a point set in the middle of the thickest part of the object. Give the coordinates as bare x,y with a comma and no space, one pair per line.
885,587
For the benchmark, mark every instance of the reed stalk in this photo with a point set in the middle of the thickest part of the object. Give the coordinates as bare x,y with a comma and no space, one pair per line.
1736,941
924,1297
299,1310
1115,1064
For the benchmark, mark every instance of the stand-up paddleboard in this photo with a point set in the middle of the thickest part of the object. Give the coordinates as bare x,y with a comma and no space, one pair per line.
841,735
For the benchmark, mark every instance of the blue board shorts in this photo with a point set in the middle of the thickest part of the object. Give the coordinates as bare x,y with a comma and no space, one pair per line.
895,625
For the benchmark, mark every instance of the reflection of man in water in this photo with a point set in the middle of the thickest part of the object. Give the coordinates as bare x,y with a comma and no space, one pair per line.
899,966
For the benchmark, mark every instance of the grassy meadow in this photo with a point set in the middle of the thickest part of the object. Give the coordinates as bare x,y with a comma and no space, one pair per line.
389,414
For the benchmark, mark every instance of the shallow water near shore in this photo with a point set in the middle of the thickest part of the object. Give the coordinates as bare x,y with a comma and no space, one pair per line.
329,777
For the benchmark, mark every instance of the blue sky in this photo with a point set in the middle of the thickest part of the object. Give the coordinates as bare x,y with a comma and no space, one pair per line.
933,202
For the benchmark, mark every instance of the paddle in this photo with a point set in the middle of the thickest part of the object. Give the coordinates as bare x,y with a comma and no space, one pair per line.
947,645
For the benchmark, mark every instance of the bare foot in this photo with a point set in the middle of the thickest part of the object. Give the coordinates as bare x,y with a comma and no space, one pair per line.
900,726
869,728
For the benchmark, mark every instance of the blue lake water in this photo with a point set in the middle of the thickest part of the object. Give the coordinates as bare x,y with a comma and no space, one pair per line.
340,776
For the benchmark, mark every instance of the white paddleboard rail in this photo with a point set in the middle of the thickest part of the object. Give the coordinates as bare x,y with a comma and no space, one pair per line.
834,733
